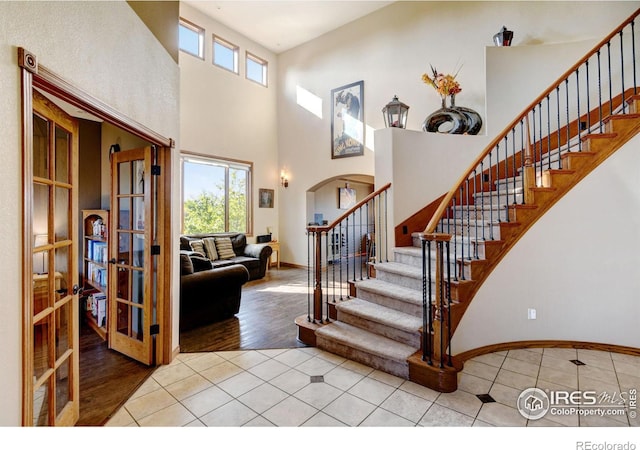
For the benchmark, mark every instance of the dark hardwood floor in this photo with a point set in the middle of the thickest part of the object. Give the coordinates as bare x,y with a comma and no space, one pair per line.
266,320
268,309
107,379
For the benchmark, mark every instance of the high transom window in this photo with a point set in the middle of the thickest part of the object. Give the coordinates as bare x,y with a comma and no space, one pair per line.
191,38
216,195
256,69
225,54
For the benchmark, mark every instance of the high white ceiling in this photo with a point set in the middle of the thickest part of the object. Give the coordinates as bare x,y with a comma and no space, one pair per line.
282,25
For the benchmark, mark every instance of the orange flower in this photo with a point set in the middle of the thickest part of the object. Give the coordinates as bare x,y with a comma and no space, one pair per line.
443,84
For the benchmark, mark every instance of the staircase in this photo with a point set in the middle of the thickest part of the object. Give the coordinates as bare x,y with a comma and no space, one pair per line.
403,320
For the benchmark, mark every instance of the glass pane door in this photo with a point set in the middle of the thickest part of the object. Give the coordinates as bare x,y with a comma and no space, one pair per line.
54,304
131,300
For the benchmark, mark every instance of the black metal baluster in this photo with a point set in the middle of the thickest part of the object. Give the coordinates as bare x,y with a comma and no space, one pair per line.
599,93
429,309
475,207
448,283
455,233
566,86
490,198
425,340
539,157
386,217
468,227
360,241
482,195
523,156
441,302
514,169
610,78
624,103
548,152
339,249
310,238
558,130
578,107
588,90
497,183
506,179
633,56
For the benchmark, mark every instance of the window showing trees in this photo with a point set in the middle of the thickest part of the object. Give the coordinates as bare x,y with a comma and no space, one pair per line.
191,38
216,195
256,69
225,54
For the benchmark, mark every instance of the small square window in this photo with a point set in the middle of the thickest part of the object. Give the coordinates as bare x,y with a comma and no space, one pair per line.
225,54
191,38
256,69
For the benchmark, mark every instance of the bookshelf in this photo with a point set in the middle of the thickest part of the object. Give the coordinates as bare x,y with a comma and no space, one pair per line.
95,268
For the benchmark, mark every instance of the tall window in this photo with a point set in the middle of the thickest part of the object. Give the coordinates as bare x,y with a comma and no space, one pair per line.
216,195
225,54
256,69
191,38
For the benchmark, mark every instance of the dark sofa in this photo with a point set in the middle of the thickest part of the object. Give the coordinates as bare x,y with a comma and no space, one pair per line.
254,257
208,295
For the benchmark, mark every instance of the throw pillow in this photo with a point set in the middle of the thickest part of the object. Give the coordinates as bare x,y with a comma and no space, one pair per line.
186,266
198,246
224,248
200,263
210,248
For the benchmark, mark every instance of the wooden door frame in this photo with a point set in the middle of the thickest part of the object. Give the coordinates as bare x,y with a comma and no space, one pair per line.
33,75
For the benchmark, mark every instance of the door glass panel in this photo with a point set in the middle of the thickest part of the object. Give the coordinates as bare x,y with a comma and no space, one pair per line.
41,293
137,291
40,213
63,387
124,207
40,147
63,329
41,406
123,283
138,213
41,361
124,246
124,172
138,250
63,144
137,323
62,275
138,170
122,318
61,217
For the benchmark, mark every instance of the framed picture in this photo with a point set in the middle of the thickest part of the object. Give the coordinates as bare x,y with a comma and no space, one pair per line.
347,124
346,198
265,198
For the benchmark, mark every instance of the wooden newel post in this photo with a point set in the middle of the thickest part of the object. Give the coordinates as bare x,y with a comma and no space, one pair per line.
529,175
317,291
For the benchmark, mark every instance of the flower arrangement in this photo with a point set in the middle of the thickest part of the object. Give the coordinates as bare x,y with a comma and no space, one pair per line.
444,84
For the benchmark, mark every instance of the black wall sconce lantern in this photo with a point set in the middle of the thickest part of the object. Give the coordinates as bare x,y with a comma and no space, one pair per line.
395,114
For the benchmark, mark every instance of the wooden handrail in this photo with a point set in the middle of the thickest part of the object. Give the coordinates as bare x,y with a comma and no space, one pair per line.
335,223
447,199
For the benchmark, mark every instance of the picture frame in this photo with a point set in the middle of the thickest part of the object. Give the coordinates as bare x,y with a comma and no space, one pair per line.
346,198
347,122
265,198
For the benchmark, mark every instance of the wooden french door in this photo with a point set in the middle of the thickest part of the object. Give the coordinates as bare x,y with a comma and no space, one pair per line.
52,356
132,268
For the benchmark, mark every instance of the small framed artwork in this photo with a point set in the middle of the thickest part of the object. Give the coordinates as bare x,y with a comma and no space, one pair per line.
265,198
347,124
346,198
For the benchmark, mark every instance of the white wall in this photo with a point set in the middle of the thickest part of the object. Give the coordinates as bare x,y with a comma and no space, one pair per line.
389,50
104,49
225,115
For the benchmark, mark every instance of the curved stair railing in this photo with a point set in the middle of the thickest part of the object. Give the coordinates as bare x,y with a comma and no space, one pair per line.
343,252
510,183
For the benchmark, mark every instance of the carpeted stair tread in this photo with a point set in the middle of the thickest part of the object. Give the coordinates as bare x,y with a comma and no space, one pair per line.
381,314
366,341
400,269
391,290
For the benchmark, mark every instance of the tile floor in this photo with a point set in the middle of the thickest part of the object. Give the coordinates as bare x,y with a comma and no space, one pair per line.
307,387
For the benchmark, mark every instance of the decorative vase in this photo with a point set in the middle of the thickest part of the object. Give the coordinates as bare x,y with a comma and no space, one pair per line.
472,119
445,120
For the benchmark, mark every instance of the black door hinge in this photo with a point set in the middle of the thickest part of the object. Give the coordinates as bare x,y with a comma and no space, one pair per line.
155,170
154,329
155,249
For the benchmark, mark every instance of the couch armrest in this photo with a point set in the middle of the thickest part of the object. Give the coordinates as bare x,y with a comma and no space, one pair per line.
218,277
260,251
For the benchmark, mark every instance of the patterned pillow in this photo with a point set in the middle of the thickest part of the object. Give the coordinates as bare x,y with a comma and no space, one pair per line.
210,248
197,246
224,248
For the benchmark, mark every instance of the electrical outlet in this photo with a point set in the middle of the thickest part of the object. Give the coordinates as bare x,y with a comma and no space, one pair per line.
531,314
